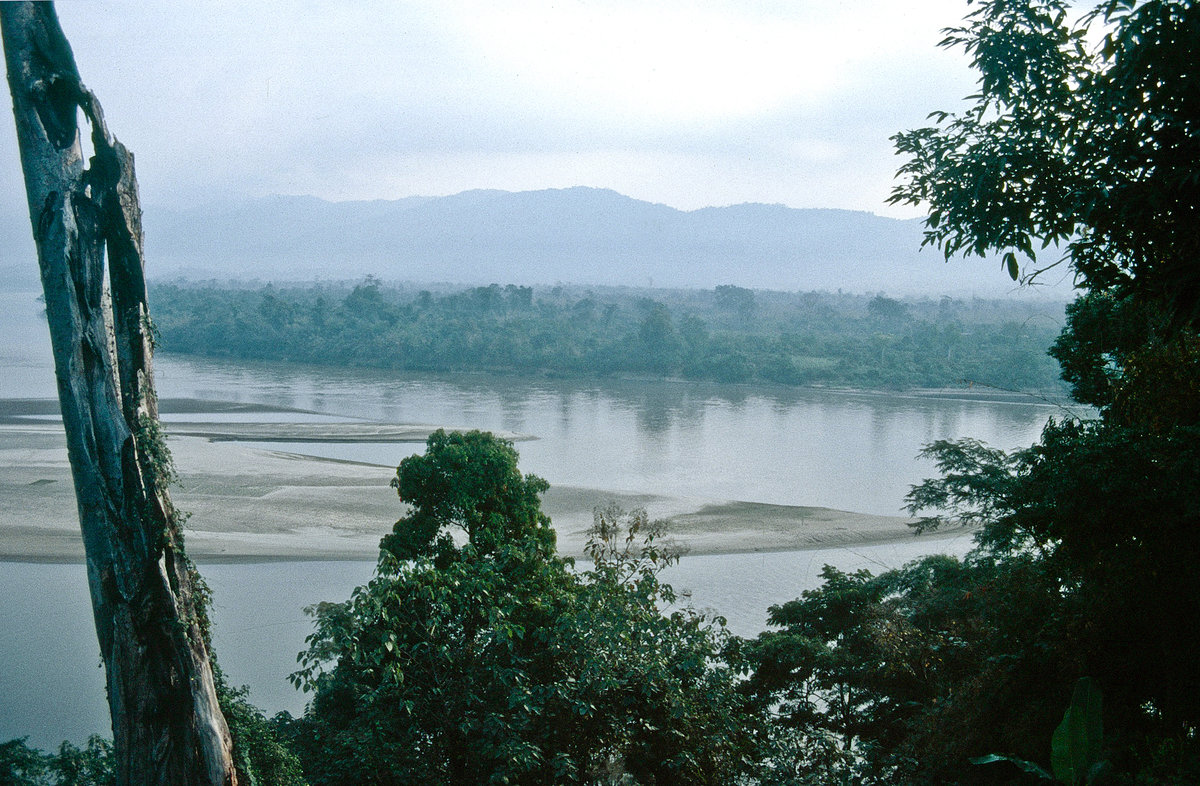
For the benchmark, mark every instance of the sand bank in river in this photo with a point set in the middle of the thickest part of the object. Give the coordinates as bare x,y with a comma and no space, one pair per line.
250,504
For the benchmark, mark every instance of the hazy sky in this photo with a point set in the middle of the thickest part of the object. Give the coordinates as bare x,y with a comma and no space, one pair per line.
686,103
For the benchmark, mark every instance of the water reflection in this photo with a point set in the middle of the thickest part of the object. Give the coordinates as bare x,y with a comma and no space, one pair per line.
855,451
781,445
778,445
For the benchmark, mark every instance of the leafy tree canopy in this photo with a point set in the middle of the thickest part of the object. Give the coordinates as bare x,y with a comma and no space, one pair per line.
728,334
92,765
1091,148
468,482
1083,136
902,678
496,662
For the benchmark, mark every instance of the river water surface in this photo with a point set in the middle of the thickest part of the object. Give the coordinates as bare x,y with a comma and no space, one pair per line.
847,450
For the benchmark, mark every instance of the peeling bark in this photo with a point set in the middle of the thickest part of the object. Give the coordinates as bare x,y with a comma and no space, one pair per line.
150,617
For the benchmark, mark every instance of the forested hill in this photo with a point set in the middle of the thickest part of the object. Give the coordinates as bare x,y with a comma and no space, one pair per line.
576,235
726,334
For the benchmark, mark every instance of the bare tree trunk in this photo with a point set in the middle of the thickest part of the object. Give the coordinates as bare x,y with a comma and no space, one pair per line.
150,617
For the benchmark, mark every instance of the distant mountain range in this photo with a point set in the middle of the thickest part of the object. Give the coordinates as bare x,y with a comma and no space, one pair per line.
575,235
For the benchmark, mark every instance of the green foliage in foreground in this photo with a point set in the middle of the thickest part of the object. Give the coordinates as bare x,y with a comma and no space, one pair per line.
1089,148
92,765
260,751
477,656
1085,567
904,677
261,755
1084,573
725,335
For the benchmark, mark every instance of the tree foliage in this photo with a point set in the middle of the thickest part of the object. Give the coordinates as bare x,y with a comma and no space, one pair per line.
260,749
906,676
728,334
467,482
490,660
1087,540
1092,149
91,765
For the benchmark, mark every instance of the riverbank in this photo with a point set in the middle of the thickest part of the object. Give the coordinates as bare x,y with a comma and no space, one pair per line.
251,504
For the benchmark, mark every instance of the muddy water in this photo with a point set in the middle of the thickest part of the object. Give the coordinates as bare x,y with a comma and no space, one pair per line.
854,451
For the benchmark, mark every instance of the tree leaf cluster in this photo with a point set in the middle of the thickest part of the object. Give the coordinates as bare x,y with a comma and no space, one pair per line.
1081,141
1071,148
909,675
91,765
476,655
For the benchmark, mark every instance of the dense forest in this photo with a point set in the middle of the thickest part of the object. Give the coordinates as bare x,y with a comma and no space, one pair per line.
729,334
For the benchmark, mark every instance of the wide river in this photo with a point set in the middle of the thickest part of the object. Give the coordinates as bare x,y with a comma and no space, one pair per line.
853,451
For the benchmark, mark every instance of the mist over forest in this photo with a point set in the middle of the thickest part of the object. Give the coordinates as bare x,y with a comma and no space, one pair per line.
583,236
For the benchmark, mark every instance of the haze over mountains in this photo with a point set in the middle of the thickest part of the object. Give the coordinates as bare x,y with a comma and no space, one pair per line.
577,235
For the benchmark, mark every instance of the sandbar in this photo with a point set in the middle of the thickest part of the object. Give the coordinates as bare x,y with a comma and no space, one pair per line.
251,504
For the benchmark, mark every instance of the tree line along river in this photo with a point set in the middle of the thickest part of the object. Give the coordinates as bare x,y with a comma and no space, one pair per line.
792,446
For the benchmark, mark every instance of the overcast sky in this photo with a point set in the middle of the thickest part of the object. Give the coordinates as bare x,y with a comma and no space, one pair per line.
686,103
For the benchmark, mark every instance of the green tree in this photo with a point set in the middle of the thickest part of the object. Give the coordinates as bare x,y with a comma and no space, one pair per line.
886,309
904,677
1087,540
260,751
21,765
1093,150
736,300
467,482
487,659
658,342
92,765
366,303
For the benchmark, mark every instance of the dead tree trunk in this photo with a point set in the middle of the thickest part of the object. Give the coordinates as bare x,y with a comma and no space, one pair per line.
150,619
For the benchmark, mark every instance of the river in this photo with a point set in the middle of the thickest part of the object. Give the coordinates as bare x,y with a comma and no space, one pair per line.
848,450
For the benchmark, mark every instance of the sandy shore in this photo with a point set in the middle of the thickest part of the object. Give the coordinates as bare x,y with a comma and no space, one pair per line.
250,504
